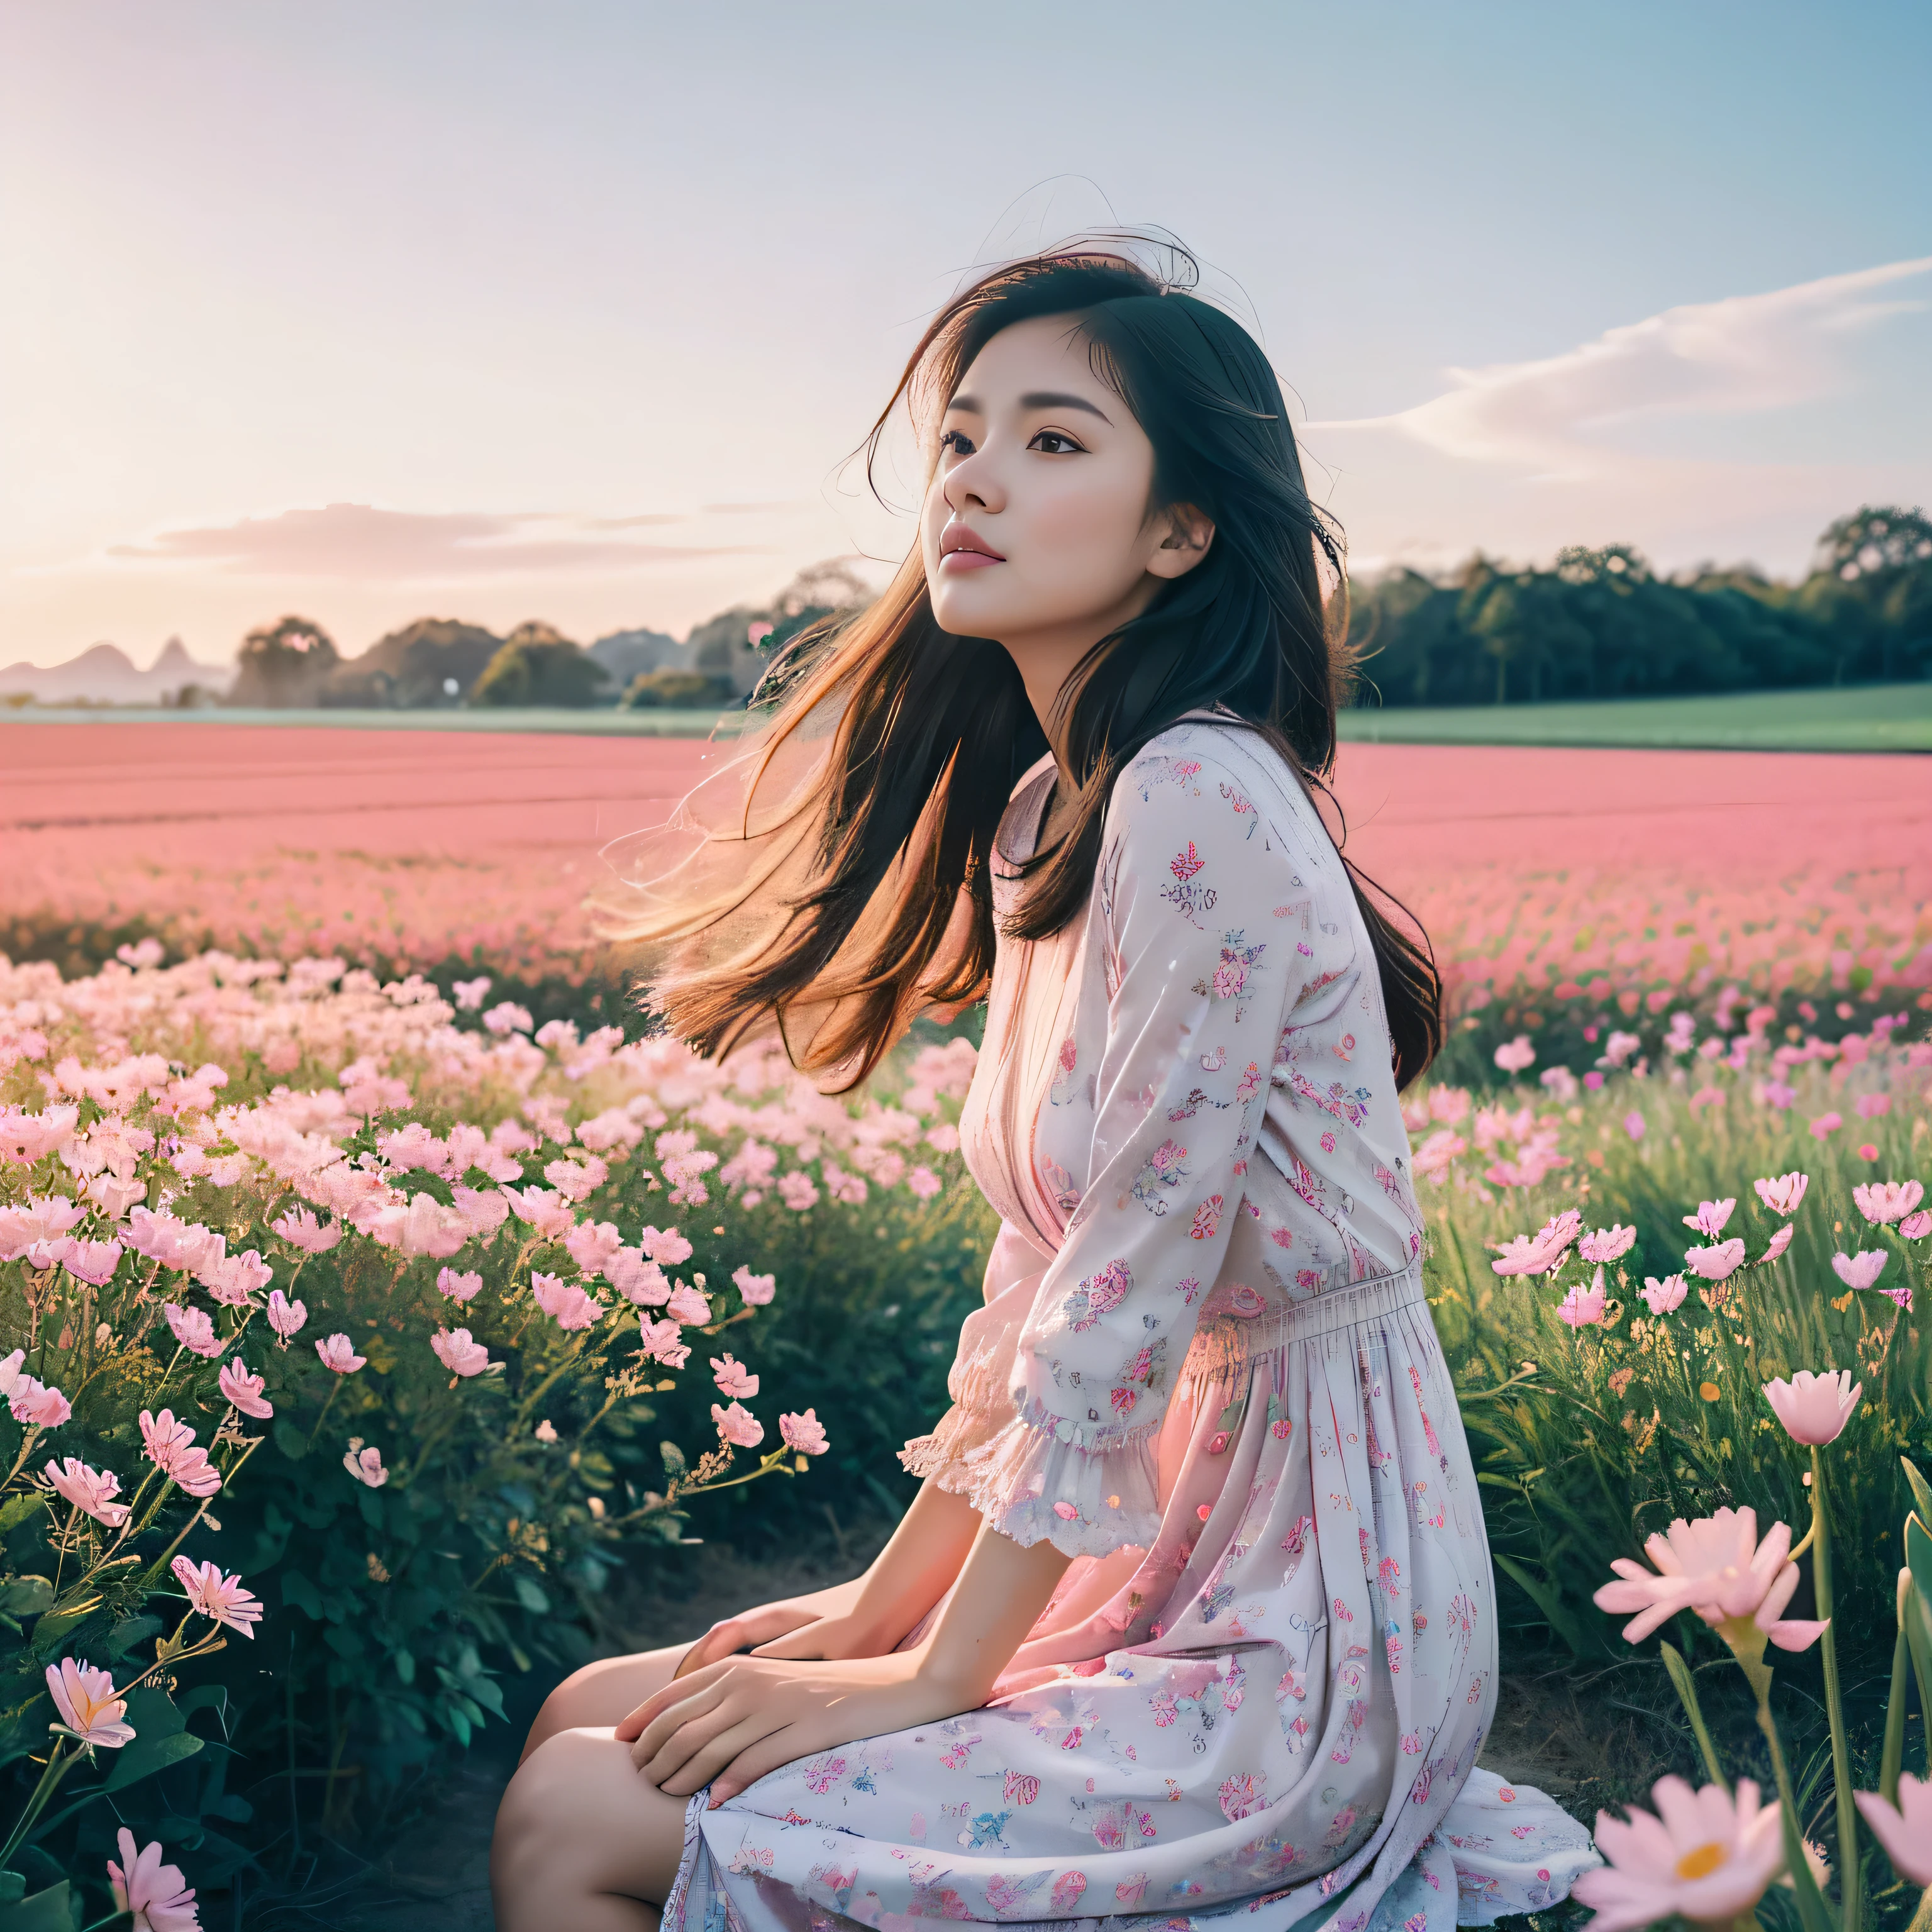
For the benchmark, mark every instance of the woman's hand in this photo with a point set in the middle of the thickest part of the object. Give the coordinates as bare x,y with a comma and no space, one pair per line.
796,1618
729,1723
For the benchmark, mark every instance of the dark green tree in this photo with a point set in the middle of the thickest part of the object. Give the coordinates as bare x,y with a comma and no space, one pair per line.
537,665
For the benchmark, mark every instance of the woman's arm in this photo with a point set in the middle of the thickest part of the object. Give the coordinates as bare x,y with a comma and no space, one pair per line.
730,1723
867,1616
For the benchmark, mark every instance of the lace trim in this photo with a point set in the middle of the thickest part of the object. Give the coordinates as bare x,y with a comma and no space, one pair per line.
941,1455
1034,1487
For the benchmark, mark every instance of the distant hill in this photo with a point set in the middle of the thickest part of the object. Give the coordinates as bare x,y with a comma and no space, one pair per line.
626,654
107,674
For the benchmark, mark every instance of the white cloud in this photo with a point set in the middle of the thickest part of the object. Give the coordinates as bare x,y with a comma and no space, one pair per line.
1745,354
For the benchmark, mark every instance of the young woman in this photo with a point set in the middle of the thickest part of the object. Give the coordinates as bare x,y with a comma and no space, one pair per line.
1193,1614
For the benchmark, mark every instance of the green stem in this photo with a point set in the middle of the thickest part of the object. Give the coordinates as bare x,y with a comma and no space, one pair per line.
326,1401
58,1767
1686,1695
1894,1757
1812,1911
1849,1869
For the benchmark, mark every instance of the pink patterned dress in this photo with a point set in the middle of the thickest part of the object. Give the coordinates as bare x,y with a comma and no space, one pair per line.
1204,1368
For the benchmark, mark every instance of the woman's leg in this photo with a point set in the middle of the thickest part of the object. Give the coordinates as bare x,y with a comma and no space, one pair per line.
583,1842
603,1693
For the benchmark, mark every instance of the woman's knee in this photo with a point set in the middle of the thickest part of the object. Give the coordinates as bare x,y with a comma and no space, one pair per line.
604,1693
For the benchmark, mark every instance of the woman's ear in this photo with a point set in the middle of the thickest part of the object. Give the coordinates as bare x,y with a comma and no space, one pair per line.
1186,534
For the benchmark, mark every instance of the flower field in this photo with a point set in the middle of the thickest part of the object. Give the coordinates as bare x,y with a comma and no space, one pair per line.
382,1294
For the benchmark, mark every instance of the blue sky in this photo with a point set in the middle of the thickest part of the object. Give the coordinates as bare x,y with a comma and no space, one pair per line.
499,311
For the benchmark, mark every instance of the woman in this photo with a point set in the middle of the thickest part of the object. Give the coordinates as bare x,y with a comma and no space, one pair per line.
1193,1613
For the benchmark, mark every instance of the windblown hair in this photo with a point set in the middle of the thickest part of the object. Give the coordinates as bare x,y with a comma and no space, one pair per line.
886,906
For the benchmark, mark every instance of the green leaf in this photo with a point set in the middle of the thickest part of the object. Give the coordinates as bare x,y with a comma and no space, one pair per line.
51,1629
1555,1612
674,1459
161,1738
16,1510
1922,1491
530,1594
1918,1556
26,1597
289,1440
49,1911
298,1592
12,1888
130,1631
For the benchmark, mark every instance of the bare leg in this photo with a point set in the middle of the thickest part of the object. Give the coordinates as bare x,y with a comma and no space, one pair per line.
603,1693
584,1842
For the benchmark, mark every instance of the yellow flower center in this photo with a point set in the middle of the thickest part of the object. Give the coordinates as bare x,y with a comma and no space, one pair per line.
1701,1863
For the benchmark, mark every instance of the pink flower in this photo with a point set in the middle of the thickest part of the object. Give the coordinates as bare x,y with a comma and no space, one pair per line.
1607,1244
300,1229
38,1405
661,1343
458,1287
686,1304
1776,1245
1826,1124
796,1192
507,1017
1710,1218
27,1138
1814,1408
44,1218
1782,1192
458,1354
152,1891
805,1433
220,1598
758,1289
1883,1202
1716,1567
286,1317
1916,1227
1540,1253
1718,1262
1664,1295
234,1280
638,1280
94,1262
90,1490
592,1243
364,1464
469,992
338,1353
1873,1106
578,1180
564,1302
1583,1308
732,1378
667,1249
1515,1054
1705,1857
193,1330
924,1183
84,1698
1861,1270
1634,1124
1905,1831
738,1425
244,1390
171,1448
545,1213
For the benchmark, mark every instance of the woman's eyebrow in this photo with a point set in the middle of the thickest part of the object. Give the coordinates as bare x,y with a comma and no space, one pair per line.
1035,399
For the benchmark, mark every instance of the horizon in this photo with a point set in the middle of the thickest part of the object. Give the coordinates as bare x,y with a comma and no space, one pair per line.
362,316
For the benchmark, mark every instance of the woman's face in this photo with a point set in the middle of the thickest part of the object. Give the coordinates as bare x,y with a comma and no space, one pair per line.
1037,528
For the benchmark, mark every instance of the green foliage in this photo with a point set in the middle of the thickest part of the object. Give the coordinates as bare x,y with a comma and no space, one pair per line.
689,688
537,665
286,663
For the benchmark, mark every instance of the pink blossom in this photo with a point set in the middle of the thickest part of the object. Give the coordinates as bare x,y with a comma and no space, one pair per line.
244,1390
286,1317
1703,1855
1606,1244
796,1192
924,1183
95,1261
1710,1218
1664,1295
300,1229
1814,1408
91,1491
1433,1157
1916,1227
26,1138
171,1448
1777,1245
592,1243
44,1218
805,1433
233,1280
1827,1124
758,1289
564,1302
666,1248
1716,1567
638,1280
545,1213
1904,1830
732,1377
1883,1202
1718,1262
1540,1253
1634,1124
193,1330
364,1464
152,1891
458,1354
338,1353
484,1209
507,1017
661,1342
1514,1055
577,1180
686,1304
1861,1270
458,1287
220,1599
84,1698
1873,1106
738,1425
1584,1308
38,1405
468,993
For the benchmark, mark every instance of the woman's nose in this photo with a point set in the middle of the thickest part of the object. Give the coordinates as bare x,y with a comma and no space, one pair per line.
974,483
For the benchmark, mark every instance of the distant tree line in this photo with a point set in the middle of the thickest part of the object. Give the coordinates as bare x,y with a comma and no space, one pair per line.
1601,624
441,662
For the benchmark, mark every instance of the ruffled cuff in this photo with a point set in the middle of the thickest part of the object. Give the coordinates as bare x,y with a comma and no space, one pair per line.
1034,1486
941,1456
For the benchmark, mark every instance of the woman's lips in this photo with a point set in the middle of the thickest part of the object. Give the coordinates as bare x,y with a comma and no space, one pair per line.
960,550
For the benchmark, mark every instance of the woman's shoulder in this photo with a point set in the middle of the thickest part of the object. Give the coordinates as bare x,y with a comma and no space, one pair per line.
1202,769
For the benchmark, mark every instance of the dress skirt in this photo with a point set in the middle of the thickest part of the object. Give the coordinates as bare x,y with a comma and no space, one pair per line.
1271,1716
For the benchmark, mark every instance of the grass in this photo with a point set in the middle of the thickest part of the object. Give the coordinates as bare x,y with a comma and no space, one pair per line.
1864,718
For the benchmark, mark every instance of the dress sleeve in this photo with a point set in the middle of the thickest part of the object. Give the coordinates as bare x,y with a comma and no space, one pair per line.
1200,974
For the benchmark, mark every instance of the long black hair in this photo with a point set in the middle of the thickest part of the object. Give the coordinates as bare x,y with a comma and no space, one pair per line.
934,729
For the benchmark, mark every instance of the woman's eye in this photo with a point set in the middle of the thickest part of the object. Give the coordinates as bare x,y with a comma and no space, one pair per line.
1054,442
957,441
